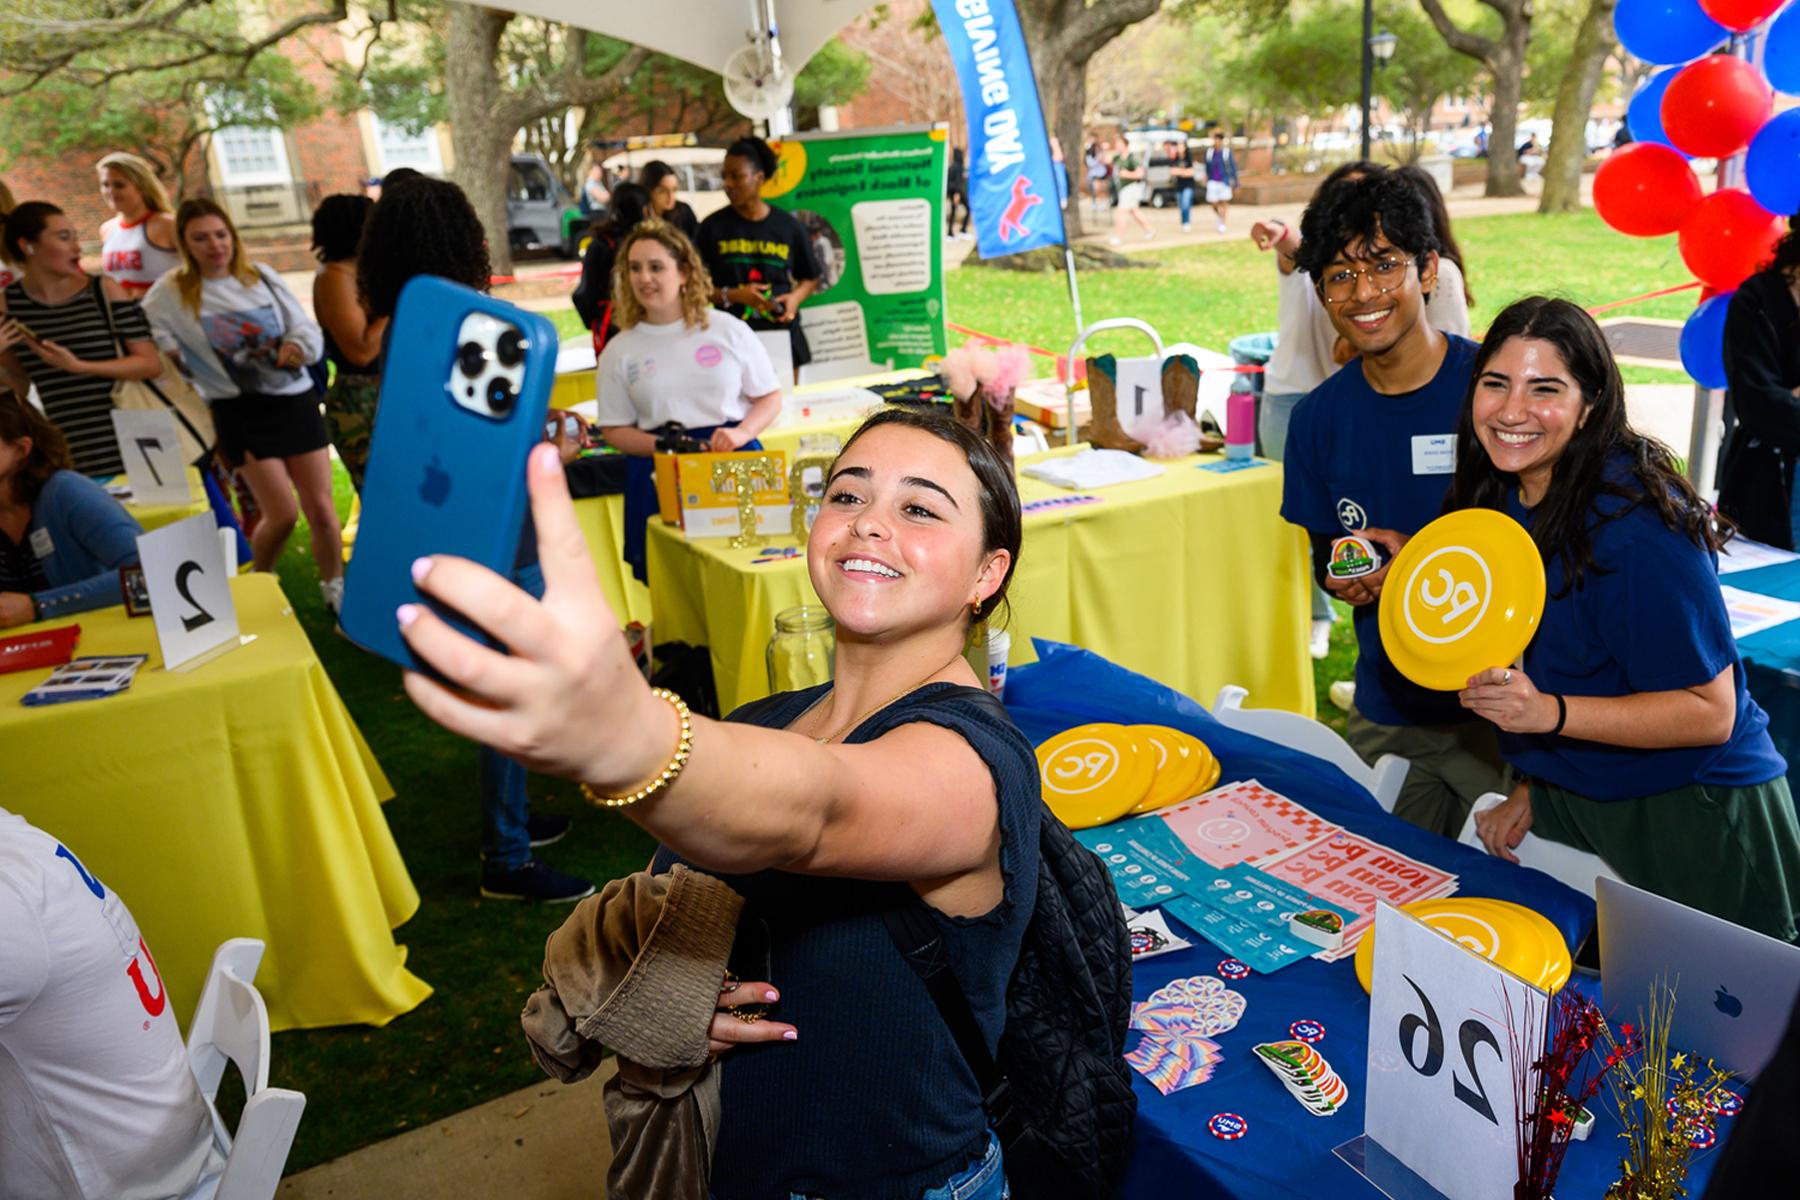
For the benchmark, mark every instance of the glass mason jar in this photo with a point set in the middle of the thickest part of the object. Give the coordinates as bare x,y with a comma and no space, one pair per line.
803,650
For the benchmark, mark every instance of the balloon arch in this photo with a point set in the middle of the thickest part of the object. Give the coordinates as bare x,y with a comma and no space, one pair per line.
1711,99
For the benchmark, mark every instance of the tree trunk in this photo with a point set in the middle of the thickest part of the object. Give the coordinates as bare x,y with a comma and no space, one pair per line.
480,135
1574,101
1065,83
1508,68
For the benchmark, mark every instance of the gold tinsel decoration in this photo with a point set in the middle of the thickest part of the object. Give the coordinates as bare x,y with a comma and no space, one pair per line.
1661,1098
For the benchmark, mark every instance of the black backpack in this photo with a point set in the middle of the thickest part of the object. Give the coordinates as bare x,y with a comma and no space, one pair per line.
1058,1094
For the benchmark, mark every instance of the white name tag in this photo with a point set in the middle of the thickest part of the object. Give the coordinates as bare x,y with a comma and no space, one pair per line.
41,545
1434,453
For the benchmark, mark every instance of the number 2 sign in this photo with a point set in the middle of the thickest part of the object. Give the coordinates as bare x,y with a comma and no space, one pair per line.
1443,1028
190,592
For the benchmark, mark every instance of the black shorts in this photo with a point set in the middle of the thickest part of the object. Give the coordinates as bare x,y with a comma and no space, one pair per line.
269,426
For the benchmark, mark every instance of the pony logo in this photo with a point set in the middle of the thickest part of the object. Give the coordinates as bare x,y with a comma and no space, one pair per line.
1447,594
1012,218
1081,767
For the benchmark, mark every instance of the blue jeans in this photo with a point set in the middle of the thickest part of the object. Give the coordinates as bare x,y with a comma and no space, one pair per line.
980,1180
1276,410
1184,200
505,841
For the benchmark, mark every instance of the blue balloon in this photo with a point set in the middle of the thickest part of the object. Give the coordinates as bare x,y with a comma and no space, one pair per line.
1772,167
1643,116
1781,52
1703,342
1666,31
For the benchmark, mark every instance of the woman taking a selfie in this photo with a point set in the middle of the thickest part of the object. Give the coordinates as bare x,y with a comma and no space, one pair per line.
676,361
1630,721
812,805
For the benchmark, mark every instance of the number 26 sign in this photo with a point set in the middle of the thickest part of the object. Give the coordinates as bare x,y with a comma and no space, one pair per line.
1444,1026
190,593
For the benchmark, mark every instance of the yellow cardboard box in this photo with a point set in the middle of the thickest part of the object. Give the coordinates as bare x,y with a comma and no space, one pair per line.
688,497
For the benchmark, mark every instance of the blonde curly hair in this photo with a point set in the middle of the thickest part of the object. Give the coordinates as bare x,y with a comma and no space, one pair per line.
696,289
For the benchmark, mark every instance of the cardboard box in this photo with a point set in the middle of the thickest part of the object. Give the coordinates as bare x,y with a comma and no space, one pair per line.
689,498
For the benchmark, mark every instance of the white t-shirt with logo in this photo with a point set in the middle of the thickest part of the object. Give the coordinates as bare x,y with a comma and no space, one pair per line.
650,375
96,1098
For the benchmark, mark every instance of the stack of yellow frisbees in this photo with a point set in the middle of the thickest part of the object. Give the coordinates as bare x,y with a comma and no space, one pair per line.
1507,934
1094,774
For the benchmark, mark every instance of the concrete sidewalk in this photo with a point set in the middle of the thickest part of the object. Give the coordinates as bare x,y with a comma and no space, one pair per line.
546,1142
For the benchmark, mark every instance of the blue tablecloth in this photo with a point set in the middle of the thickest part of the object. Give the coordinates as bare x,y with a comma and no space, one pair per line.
1287,1153
1772,661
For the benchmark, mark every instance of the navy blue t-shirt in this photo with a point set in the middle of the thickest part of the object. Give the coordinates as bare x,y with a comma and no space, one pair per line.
1358,459
1650,619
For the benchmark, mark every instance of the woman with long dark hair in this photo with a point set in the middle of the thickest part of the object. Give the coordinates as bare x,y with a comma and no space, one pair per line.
662,185
1762,398
898,784
352,337
1629,721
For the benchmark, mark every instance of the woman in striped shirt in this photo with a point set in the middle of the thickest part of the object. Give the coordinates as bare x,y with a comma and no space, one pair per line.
72,334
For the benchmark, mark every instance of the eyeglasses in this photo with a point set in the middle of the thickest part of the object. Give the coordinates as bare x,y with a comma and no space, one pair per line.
1340,283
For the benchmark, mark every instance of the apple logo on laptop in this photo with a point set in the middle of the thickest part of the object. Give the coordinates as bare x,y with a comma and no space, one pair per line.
436,486
1728,1004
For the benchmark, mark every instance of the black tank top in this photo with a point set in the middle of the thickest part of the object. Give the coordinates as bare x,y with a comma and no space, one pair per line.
873,1100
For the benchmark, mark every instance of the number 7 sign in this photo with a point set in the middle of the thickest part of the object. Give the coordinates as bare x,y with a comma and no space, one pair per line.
1445,1026
150,446
190,593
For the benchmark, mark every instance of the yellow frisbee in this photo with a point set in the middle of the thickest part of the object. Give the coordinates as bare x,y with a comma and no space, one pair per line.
1465,594
1093,774
1506,934
1181,762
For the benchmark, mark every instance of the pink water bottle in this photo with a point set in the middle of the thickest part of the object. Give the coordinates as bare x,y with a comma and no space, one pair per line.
1240,425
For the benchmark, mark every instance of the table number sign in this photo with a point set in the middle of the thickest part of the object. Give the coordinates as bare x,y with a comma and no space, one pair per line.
1444,1028
150,446
1139,388
190,592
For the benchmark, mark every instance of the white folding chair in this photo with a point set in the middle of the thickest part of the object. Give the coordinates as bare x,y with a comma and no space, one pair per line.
1308,736
231,1024
1566,864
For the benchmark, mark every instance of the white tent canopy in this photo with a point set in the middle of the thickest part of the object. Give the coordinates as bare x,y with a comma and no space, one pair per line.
703,32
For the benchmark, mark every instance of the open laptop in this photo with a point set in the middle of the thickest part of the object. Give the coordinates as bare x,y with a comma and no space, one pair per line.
1734,987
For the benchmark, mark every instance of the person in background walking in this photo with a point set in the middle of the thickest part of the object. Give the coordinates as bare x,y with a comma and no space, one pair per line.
352,338
1099,176
1128,168
137,243
956,193
1221,177
1182,172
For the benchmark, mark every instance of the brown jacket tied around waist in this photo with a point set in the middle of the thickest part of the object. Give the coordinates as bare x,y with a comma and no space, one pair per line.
636,969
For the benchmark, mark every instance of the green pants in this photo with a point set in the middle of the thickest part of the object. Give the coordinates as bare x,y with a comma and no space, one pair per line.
1452,766
350,420
1732,852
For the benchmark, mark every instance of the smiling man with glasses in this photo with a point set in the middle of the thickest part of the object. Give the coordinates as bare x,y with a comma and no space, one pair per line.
1370,452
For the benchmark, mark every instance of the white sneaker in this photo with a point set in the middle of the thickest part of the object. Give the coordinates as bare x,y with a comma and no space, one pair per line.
1321,639
1149,235
333,591
1342,693
1221,227
1113,241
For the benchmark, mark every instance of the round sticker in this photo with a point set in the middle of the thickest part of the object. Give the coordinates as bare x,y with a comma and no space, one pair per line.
1093,774
1232,968
1465,594
1228,1126
1507,934
1182,760
708,355
1307,1031
790,168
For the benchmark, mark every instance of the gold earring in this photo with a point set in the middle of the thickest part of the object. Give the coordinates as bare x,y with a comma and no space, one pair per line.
978,608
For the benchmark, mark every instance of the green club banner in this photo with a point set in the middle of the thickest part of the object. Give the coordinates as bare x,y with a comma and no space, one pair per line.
873,203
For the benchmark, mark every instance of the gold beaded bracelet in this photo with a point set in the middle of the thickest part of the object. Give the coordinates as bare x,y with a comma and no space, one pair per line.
683,748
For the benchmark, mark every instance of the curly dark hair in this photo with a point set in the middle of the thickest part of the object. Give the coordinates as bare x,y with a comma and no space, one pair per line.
1569,513
1787,251
427,227
756,150
1352,210
337,225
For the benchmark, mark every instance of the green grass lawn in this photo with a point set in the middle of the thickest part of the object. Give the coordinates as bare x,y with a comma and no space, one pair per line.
463,1046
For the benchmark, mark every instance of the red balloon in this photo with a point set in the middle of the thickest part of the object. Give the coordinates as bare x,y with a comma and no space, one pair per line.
1645,190
1741,15
1715,105
1728,237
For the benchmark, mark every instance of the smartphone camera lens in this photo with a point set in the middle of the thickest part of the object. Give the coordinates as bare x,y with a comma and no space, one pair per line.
510,349
471,357
500,396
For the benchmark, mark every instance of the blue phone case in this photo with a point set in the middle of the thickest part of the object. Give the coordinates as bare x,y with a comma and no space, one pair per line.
441,478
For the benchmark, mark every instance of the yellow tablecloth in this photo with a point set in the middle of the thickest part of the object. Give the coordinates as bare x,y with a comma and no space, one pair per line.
155,516
1192,578
234,800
